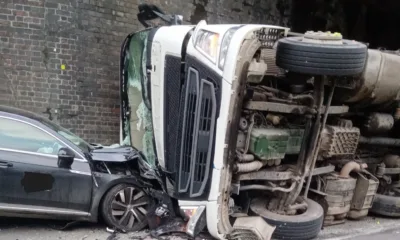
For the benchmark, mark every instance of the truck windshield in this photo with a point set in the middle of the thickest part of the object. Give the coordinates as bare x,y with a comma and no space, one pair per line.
139,129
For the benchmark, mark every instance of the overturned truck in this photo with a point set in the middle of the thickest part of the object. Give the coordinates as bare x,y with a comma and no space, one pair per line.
244,125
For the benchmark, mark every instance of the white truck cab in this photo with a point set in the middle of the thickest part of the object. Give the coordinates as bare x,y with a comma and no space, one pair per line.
251,133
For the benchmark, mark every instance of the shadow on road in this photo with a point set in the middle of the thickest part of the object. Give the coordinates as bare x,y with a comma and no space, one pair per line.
10,223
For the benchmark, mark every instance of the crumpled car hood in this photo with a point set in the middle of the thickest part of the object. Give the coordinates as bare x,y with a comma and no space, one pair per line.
120,154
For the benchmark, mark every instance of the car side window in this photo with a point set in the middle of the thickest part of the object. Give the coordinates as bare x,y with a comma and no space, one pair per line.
21,136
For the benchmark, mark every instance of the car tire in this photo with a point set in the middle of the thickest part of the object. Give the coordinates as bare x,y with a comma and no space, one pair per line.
125,207
347,59
386,205
297,227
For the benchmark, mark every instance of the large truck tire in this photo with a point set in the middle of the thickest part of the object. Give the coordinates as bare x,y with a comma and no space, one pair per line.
386,205
346,58
296,227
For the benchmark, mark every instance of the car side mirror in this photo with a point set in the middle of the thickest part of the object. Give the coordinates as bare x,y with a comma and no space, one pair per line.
65,158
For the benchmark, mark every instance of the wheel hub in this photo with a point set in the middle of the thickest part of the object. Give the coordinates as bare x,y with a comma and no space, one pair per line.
129,207
323,37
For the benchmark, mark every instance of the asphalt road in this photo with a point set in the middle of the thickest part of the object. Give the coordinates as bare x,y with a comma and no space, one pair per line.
387,235
370,228
33,229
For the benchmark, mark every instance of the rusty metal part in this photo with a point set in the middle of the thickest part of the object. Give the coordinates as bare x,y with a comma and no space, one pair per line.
251,228
267,175
379,123
297,88
274,119
268,188
268,55
303,97
280,100
258,96
294,109
277,162
397,114
350,167
323,170
357,214
339,196
305,157
386,179
364,193
381,141
379,84
316,150
298,206
241,140
249,166
392,161
344,123
243,124
256,71
247,141
276,91
339,141
382,170
245,157
272,162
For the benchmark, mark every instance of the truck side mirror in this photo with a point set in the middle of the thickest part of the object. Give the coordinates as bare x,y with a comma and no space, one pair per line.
65,158
149,12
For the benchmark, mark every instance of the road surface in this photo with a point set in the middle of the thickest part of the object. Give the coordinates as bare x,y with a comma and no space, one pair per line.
370,228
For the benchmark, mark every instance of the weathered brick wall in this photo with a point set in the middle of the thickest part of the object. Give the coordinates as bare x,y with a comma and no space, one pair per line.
38,38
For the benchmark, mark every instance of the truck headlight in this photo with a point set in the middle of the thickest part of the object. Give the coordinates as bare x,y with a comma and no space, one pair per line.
207,43
226,40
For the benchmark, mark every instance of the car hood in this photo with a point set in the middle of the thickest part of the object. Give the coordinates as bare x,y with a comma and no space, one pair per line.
119,154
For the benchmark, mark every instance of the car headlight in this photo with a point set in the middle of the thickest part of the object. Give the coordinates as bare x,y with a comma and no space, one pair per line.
207,43
226,40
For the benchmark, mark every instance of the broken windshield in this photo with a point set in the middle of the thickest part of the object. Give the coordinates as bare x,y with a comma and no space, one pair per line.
139,129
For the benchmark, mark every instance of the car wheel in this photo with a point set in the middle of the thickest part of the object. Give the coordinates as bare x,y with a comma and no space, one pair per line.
317,58
303,226
386,205
125,208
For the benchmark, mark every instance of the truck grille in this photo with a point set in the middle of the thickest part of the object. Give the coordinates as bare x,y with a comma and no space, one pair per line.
197,134
172,100
205,135
188,132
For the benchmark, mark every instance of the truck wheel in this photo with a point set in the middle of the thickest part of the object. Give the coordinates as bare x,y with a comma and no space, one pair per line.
297,227
346,58
125,208
386,205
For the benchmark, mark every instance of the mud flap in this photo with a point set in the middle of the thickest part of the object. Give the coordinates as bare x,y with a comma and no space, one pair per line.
251,228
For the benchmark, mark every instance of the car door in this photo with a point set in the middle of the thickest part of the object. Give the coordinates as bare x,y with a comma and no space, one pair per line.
29,173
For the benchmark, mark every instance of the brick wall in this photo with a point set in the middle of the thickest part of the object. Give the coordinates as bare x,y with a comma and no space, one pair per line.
60,57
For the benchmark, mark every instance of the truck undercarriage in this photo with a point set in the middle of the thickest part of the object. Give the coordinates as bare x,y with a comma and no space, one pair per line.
312,144
243,122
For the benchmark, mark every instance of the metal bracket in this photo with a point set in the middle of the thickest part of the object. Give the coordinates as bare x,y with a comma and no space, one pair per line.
323,170
387,171
267,175
288,108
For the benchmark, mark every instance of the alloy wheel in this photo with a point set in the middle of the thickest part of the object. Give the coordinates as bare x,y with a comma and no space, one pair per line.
129,206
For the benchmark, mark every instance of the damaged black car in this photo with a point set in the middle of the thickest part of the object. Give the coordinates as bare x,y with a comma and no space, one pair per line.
48,172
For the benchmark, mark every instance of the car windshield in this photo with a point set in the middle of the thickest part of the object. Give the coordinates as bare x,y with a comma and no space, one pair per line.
82,144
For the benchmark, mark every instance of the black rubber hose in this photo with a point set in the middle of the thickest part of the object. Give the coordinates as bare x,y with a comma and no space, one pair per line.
381,141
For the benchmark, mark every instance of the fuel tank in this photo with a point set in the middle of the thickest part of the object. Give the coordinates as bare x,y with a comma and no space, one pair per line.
380,82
